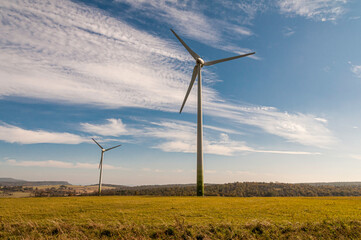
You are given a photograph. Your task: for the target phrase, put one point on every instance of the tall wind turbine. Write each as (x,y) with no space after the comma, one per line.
(197,71)
(101,163)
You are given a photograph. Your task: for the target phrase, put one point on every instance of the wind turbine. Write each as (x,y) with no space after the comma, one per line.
(101,162)
(197,71)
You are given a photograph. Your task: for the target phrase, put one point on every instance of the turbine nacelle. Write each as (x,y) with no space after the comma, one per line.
(200,61)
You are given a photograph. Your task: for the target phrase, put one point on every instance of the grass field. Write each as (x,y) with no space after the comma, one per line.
(180,218)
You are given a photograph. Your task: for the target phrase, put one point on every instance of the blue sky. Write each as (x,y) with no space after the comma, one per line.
(112,70)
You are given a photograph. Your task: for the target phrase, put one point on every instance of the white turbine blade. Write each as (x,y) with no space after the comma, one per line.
(194,55)
(97,143)
(194,75)
(227,59)
(112,148)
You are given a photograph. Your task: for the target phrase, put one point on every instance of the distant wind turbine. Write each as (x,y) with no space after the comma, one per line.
(101,162)
(197,71)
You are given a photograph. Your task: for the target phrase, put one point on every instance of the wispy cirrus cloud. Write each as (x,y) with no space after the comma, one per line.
(356,70)
(113,127)
(305,129)
(245,11)
(189,19)
(180,136)
(13,134)
(61,51)
(320,10)
(287,31)
(58,164)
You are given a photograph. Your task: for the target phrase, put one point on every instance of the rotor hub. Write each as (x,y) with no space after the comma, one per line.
(200,61)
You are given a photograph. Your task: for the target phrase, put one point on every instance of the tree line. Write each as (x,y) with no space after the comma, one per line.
(240,189)
(237,189)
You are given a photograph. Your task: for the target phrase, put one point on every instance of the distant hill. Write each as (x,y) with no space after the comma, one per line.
(10,180)
(17,182)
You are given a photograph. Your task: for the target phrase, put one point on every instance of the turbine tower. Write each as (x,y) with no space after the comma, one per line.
(101,163)
(197,71)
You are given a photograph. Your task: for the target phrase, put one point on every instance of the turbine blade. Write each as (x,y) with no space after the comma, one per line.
(194,75)
(227,59)
(112,148)
(194,55)
(97,143)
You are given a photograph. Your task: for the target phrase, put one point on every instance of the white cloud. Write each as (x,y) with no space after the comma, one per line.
(188,19)
(114,127)
(321,10)
(224,130)
(356,69)
(287,31)
(14,134)
(65,52)
(305,129)
(180,136)
(321,120)
(242,12)
(58,164)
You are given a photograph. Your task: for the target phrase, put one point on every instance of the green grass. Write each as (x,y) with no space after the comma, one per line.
(180,217)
